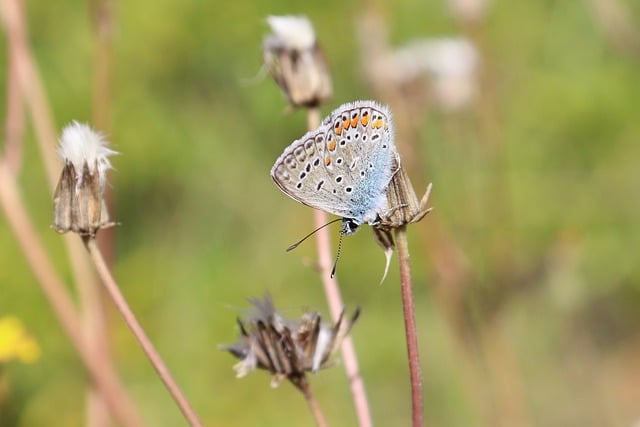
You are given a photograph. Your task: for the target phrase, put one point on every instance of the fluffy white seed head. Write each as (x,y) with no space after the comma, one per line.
(290,32)
(79,144)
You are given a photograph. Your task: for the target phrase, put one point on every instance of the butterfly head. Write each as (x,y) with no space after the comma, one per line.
(349,226)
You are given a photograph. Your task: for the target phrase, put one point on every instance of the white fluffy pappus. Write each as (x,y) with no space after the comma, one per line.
(79,144)
(290,32)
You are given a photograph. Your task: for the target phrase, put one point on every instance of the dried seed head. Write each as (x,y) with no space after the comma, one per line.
(402,208)
(468,10)
(296,62)
(402,205)
(79,204)
(286,348)
(290,33)
(79,144)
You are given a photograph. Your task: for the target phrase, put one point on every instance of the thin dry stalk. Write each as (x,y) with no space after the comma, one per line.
(318,415)
(103,376)
(28,82)
(102,16)
(415,371)
(334,299)
(15,120)
(139,333)
(91,297)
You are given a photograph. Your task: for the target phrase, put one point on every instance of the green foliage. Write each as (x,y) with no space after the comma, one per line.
(536,189)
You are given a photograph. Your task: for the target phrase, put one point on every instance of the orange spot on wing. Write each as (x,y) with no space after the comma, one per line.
(331,145)
(327,161)
(377,124)
(338,129)
(364,120)
(354,121)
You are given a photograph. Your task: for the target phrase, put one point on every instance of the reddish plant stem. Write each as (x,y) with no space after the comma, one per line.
(334,299)
(103,376)
(139,333)
(411,331)
(27,82)
(15,118)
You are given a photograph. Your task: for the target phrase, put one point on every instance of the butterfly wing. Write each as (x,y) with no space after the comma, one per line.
(345,165)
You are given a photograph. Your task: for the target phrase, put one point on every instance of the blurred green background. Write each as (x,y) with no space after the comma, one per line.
(526,274)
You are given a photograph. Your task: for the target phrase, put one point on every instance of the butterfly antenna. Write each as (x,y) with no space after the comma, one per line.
(295,245)
(338,252)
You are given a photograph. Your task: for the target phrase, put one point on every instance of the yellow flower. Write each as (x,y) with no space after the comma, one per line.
(16,343)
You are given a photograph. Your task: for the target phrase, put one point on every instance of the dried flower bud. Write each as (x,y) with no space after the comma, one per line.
(286,348)
(448,65)
(79,204)
(295,60)
(402,208)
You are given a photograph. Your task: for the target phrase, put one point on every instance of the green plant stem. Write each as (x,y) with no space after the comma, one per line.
(139,333)
(411,331)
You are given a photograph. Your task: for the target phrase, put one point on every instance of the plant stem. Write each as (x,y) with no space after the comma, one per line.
(103,376)
(334,299)
(318,415)
(410,326)
(139,333)
(92,298)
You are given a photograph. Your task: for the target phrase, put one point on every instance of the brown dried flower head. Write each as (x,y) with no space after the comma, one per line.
(286,348)
(79,204)
(295,60)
